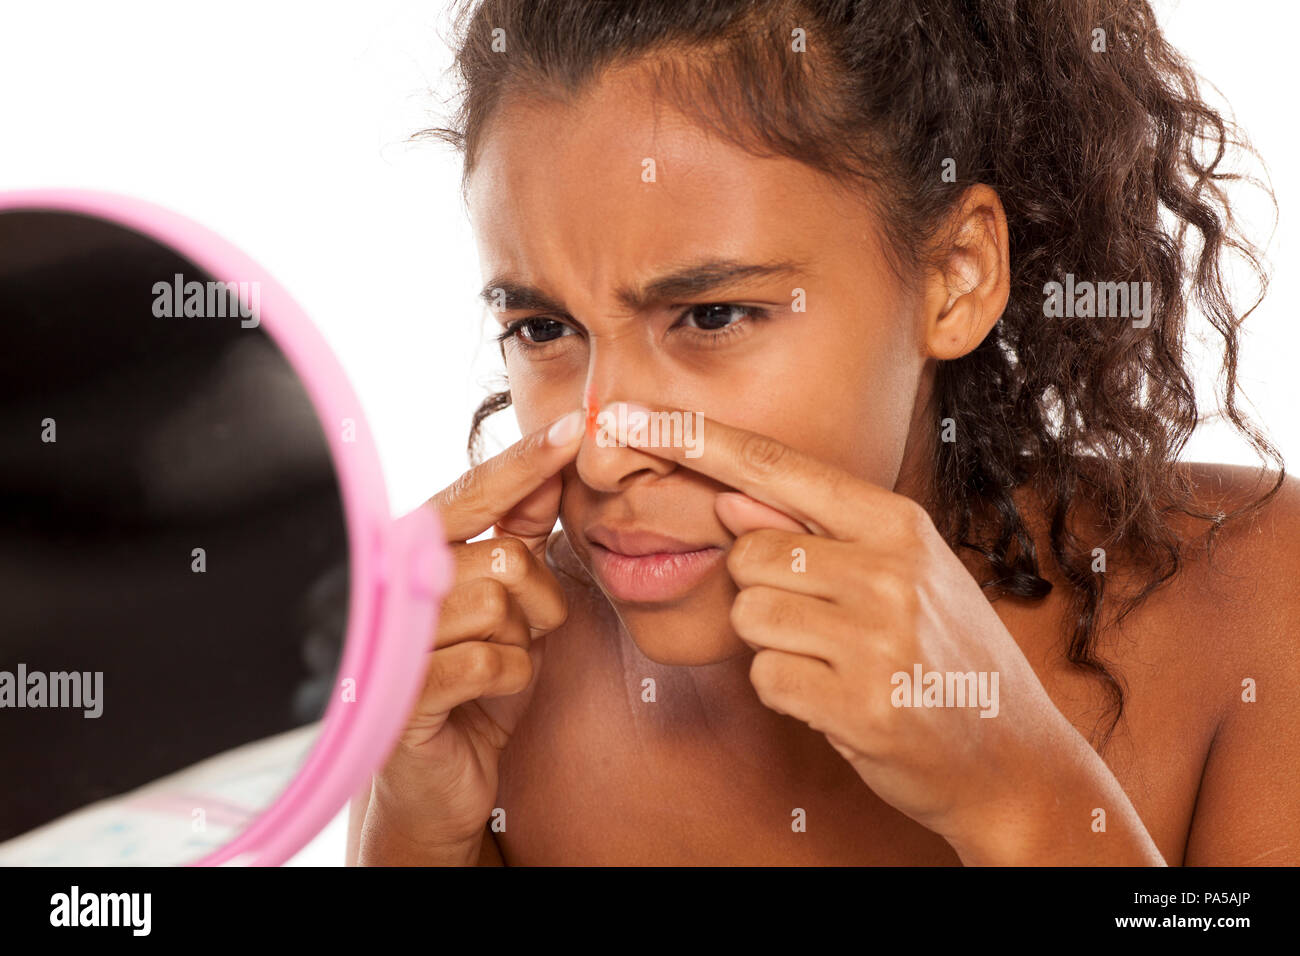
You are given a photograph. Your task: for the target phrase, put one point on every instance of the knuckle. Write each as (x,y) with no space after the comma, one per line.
(460,492)
(461,500)
(761,670)
(770,676)
(760,454)
(822,717)
(493,600)
(482,664)
(515,548)
(913,521)
(749,606)
(557,613)
(738,555)
(510,559)
(746,552)
(769,543)
(898,592)
(737,616)
(782,613)
(523,674)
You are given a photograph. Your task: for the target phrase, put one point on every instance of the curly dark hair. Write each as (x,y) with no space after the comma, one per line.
(1092,130)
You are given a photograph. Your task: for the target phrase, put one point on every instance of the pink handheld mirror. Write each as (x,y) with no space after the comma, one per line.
(211,628)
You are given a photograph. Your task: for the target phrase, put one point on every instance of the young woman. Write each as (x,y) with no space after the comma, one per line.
(923,581)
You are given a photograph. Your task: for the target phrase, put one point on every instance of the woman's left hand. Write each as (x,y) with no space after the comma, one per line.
(845,604)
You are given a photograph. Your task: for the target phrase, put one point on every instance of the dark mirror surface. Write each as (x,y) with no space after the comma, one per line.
(173,551)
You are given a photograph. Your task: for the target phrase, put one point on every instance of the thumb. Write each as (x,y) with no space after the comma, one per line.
(742,514)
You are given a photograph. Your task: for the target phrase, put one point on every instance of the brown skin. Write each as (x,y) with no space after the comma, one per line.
(712,771)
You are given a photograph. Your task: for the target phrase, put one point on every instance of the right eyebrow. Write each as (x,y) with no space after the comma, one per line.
(510,295)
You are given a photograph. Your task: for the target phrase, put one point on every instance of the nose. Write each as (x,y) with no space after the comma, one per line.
(606,460)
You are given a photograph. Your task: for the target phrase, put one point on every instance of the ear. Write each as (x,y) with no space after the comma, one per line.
(967,292)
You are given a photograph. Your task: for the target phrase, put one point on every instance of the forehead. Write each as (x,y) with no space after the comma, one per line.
(617,179)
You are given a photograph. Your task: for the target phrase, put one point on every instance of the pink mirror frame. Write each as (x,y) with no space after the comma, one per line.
(399,569)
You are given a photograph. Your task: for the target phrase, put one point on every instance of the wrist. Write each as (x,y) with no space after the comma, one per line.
(1028,812)
(1065,809)
(396,834)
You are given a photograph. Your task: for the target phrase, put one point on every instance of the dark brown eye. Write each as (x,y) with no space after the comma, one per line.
(539,330)
(713,317)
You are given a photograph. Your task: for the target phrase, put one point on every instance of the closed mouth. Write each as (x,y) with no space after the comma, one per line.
(646,567)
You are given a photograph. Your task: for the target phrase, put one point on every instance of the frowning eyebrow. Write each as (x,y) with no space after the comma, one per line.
(696,281)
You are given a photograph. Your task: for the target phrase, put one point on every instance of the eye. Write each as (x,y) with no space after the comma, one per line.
(715,324)
(713,317)
(535,330)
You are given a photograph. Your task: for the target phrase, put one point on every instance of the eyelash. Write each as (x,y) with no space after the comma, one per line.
(706,337)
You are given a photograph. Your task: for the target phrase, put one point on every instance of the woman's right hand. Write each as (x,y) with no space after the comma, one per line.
(438,787)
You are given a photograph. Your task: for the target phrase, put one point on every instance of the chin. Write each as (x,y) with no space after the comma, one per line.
(690,632)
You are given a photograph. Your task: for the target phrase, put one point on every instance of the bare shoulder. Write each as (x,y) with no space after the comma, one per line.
(1242,604)
(1220,488)
(1249,579)
(1229,622)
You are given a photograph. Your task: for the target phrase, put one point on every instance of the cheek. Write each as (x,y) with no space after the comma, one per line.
(541,392)
(844,396)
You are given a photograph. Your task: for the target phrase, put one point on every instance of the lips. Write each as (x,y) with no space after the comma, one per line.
(645,567)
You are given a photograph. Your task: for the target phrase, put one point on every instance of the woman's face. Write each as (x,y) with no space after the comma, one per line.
(652,263)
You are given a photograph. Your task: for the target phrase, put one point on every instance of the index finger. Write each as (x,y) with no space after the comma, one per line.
(824,498)
(485,494)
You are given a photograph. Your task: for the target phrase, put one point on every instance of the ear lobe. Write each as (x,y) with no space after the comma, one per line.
(969,292)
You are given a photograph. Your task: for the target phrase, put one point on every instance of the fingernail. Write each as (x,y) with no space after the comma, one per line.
(565,429)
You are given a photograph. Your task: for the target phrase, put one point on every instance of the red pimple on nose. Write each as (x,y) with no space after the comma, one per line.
(593,410)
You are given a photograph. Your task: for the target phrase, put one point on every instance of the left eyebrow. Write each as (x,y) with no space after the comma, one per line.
(694,281)
(701,279)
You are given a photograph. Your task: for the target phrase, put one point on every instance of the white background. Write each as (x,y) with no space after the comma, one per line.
(283,126)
